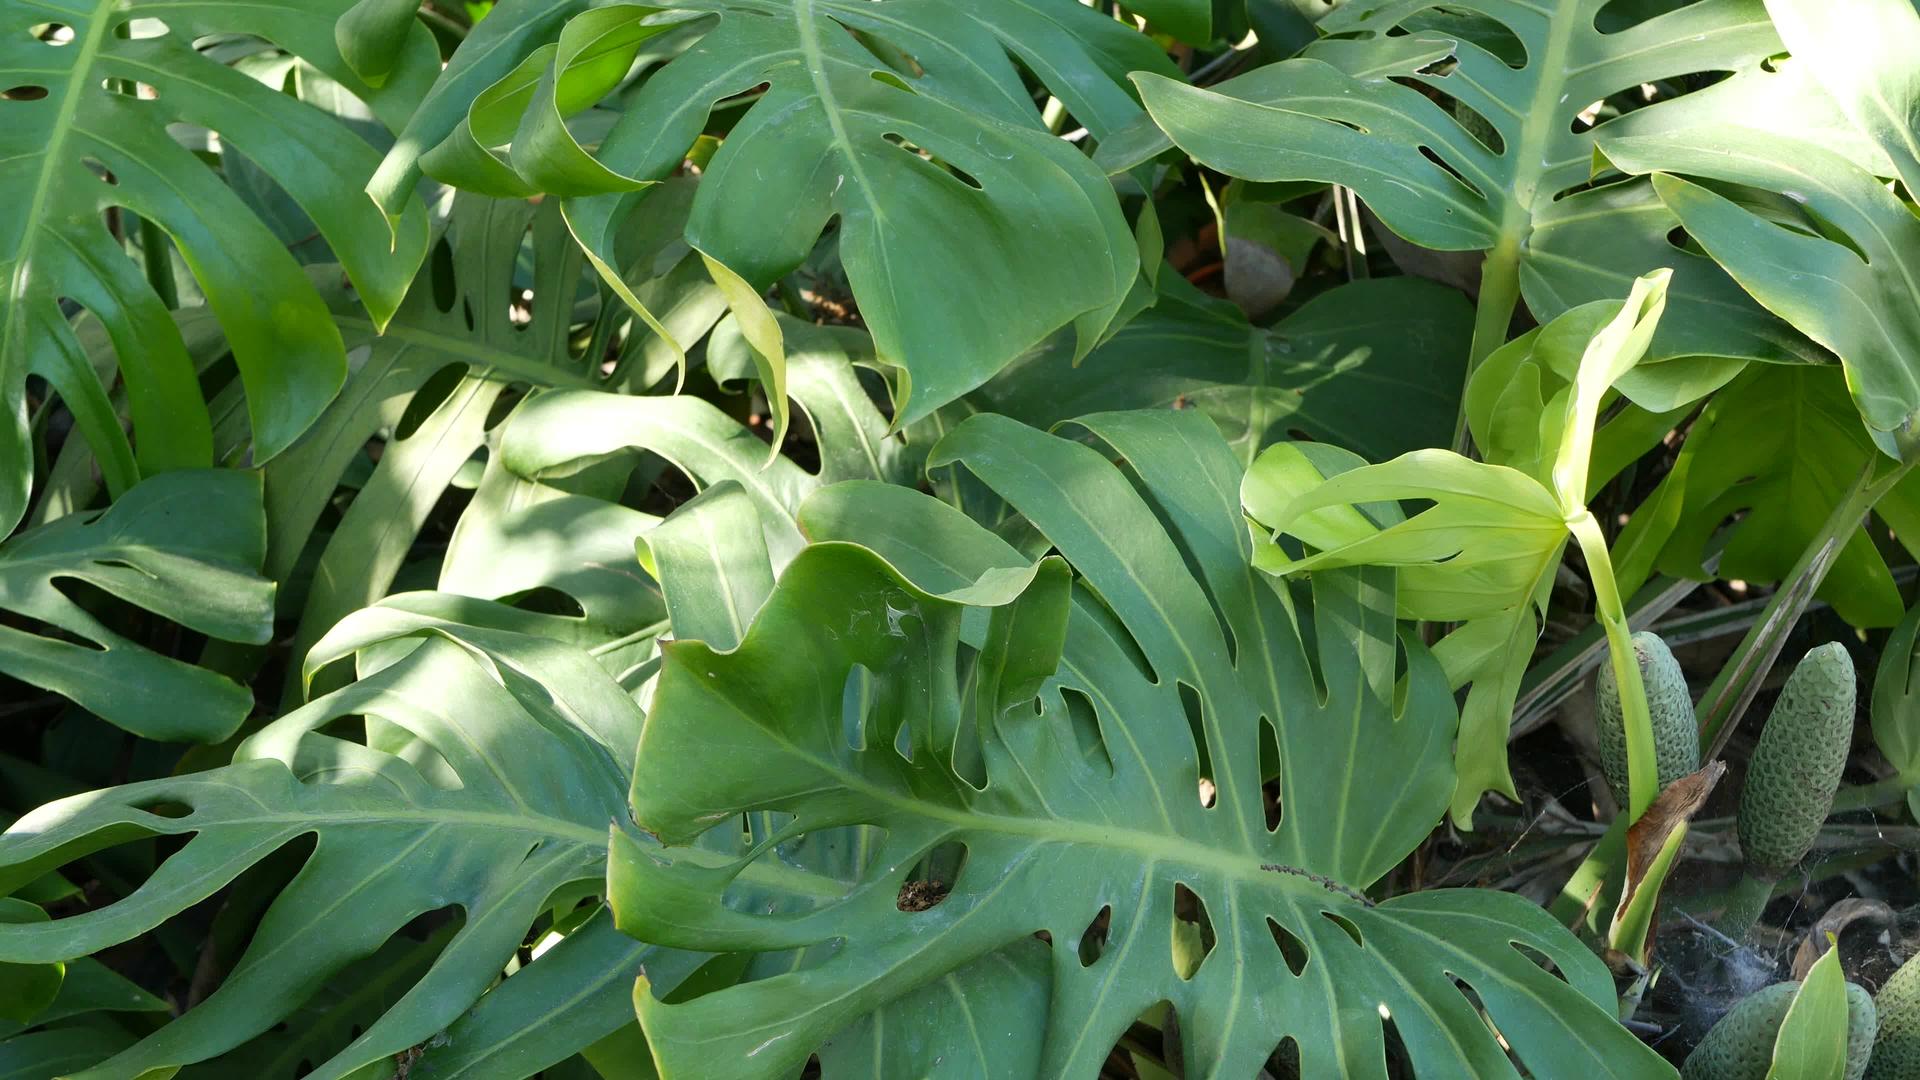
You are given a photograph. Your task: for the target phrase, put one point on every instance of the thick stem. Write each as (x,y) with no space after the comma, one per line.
(1745,902)
(1865,796)
(1499,295)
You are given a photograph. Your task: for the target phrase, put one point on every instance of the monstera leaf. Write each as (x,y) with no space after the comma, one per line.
(913,673)
(968,231)
(92,89)
(1775,452)
(1321,370)
(1486,546)
(185,546)
(1843,263)
(447,776)
(1495,167)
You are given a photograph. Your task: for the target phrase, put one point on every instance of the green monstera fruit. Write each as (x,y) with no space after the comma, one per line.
(1797,764)
(1740,1046)
(1896,1047)
(1676,738)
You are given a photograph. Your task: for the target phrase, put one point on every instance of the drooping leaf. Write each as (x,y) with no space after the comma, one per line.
(93,86)
(1844,273)
(1484,154)
(559,433)
(1090,801)
(1325,369)
(967,230)
(185,546)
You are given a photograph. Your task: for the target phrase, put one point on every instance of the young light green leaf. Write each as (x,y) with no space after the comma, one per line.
(1812,1044)
(1861,53)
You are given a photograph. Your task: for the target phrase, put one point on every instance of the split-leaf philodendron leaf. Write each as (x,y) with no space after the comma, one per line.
(1496,167)
(968,232)
(1056,720)
(185,546)
(92,88)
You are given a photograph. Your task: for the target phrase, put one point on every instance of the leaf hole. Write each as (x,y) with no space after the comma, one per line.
(898,61)
(1343,923)
(445,279)
(1471,120)
(1093,940)
(1451,171)
(1195,711)
(1538,957)
(53,33)
(166,808)
(99,168)
(24,92)
(1399,1061)
(1270,767)
(927,156)
(1292,949)
(547,600)
(1193,937)
(1084,719)
(933,879)
(1285,1059)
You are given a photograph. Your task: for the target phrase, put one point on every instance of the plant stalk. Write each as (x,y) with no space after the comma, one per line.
(1734,688)
(1745,902)
(1643,783)
(1499,295)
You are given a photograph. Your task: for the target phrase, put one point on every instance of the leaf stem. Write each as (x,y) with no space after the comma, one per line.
(1499,295)
(1733,690)
(1642,779)
(1866,796)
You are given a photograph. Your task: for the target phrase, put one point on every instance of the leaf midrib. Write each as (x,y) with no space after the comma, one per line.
(43,183)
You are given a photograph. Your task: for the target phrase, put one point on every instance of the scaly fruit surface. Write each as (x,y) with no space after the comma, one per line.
(1740,1046)
(1676,737)
(1797,763)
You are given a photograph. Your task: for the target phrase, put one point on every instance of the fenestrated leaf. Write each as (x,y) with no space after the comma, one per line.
(77,141)
(1844,274)
(457,317)
(485,782)
(1324,369)
(1498,173)
(1777,449)
(186,546)
(1861,53)
(968,232)
(1057,834)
